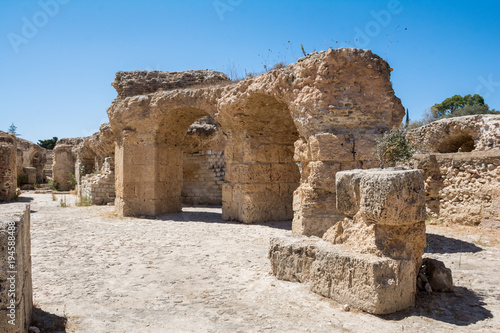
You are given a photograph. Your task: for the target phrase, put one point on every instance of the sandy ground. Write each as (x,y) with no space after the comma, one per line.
(192,272)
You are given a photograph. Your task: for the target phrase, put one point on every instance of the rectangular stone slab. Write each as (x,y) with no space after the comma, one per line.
(377,285)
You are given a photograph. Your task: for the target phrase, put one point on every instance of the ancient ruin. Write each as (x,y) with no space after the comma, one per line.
(8,166)
(287,133)
(461,163)
(370,259)
(16,295)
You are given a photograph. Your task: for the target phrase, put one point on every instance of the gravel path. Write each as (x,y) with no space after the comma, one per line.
(192,272)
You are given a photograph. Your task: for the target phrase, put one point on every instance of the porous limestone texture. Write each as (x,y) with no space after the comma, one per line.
(8,167)
(385,213)
(16,293)
(323,112)
(462,188)
(458,134)
(378,285)
(370,259)
(99,187)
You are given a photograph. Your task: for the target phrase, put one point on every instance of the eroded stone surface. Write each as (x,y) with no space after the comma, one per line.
(458,134)
(15,268)
(368,282)
(319,104)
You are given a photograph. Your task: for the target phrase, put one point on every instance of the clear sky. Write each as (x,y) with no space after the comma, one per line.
(59,57)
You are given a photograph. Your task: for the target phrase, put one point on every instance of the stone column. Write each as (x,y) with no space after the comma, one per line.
(64,164)
(370,259)
(260,180)
(148,179)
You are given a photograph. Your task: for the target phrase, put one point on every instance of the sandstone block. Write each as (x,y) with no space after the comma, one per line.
(380,196)
(331,147)
(374,284)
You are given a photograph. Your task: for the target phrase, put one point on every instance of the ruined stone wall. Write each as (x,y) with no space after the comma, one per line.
(325,112)
(8,167)
(462,188)
(203,177)
(99,187)
(33,156)
(16,291)
(458,134)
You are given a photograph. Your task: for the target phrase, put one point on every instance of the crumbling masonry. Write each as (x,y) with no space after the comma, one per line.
(288,132)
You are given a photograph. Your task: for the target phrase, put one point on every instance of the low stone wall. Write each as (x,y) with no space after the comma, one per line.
(8,167)
(462,188)
(203,177)
(370,259)
(100,188)
(16,293)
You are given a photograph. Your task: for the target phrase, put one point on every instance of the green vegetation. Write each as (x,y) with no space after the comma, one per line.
(55,185)
(393,148)
(48,144)
(22,179)
(455,106)
(13,130)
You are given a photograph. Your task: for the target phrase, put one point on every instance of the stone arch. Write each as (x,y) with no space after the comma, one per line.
(261,174)
(460,141)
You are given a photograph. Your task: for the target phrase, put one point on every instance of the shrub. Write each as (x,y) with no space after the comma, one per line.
(393,148)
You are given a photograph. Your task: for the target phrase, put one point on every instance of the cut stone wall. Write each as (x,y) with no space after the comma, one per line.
(203,177)
(462,188)
(329,107)
(8,167)
(100,187)
(370,259)
(16,292)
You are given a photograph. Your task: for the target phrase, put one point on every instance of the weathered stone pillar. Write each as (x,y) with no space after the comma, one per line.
(64,164)
(320,158)
(148,179)
(16,293)
(8,168)
(260,180)
(370,259)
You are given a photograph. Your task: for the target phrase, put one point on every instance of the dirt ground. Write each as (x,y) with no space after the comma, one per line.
(192,272)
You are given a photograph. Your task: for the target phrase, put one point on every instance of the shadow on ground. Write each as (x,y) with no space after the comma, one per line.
(216,217)
(48,322)
(441,244)
(461,307)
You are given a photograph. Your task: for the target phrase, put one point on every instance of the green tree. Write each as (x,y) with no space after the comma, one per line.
(451,105)
(13,130)
(48,144)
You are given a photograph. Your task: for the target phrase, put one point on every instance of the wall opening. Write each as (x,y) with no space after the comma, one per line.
(203,163)
(461,142)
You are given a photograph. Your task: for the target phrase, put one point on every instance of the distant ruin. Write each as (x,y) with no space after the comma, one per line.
(461,163)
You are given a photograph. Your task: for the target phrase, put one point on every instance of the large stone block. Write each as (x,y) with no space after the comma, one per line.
(331,147)
(378,285)
(8,167)
(381,196)
(16,295)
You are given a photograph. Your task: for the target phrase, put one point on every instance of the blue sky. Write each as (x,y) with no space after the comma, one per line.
(59,57)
